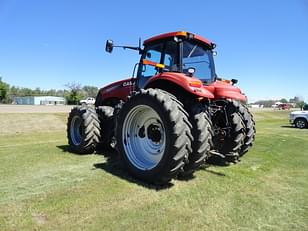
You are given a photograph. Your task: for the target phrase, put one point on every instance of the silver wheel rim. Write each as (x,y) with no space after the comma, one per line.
(300,124)
(75,130)
(143,137)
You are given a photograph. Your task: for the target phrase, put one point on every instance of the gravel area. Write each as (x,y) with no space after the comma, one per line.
(8,108)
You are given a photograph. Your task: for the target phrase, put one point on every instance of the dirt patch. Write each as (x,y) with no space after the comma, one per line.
(39,218)
(11,124)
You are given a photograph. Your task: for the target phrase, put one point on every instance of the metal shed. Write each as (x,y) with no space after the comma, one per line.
(40,100)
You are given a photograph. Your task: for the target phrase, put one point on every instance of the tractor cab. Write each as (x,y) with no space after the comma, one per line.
(179,52)
(178,62)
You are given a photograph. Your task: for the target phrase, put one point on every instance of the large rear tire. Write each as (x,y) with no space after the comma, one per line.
(250,129)
(153,136)
(233,127)
(83,130)
(202,138)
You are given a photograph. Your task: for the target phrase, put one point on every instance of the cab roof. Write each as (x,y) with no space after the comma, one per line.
(179,34)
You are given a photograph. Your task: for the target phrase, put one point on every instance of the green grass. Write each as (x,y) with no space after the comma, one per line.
(43,187)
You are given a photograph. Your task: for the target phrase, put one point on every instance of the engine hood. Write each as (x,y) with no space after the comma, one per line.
(223,89)
(299,112)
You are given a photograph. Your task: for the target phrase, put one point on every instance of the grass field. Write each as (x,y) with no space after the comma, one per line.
(43,187)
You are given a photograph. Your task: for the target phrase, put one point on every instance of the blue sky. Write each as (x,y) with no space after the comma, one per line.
(46,44)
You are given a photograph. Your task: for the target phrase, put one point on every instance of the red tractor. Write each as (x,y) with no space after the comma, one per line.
(170,118)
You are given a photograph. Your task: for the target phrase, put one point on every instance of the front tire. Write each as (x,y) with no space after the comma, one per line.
(300,123)
(83,130)
(153,136)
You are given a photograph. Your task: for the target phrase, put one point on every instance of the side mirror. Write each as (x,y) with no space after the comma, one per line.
(109,46)
(234,81)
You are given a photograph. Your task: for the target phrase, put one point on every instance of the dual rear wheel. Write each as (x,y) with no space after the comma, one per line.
(158,139)
(234,130)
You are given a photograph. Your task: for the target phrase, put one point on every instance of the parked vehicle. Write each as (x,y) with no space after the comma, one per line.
(299,118)
(284,106)
(87,101)
(281,106)
(171,117)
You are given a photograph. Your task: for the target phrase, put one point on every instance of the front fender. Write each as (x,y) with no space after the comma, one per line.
(116,91)
(189,84)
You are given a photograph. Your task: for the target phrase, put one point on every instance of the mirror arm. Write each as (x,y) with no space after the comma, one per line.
(110,46)
(129,47)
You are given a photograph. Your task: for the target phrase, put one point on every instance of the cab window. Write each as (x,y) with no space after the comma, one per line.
(199,58)
(152,54)
(170,58)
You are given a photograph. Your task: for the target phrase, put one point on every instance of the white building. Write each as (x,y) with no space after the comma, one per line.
(40,100)
(256,105)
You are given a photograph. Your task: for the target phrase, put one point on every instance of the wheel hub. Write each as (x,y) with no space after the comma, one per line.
(141,132)
(154,133)
(143,136)
(300,124)
(76,130)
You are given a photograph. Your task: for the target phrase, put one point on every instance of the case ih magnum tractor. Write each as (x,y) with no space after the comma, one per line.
(170,118)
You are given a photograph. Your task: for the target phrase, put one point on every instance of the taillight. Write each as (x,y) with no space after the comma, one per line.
(195,83)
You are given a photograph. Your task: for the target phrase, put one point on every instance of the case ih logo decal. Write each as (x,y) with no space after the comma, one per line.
(129,83)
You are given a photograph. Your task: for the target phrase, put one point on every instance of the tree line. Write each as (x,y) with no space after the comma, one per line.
(73,94)
(297,101)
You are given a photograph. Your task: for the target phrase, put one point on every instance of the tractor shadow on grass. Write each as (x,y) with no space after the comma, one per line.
(64,148)
(216,161)
(206,169)
(219,161)
(114,166)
